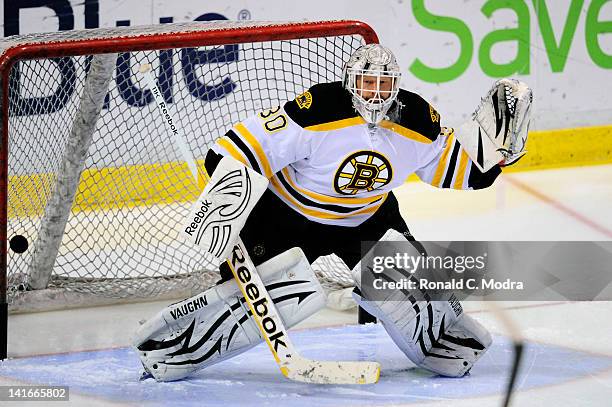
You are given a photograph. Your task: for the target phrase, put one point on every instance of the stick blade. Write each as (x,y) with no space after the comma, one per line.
(332,372)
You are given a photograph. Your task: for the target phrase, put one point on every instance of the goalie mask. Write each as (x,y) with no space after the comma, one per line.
(372,76)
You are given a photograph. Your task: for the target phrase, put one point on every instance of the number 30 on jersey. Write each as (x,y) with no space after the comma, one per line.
(273,120)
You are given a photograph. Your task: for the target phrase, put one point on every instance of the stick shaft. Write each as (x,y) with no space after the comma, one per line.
(274,333)
(171,125)
(261,305)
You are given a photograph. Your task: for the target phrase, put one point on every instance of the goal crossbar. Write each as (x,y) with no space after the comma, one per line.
(173,35)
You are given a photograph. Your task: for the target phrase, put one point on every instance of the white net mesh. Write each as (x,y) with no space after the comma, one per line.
(120,240)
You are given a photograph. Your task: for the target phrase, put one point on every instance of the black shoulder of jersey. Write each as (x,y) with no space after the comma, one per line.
(415,113)
(322,103)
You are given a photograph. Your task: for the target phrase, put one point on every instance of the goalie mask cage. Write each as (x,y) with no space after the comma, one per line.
(90,176)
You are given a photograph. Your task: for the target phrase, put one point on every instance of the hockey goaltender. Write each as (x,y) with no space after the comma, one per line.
(317,175)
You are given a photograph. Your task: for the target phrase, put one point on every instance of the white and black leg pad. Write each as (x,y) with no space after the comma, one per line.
(216,324)
(218,215)
(435,335)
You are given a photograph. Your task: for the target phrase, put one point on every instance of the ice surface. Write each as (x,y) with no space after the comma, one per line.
(253,379)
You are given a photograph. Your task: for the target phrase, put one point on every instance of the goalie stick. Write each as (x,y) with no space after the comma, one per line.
(264,312)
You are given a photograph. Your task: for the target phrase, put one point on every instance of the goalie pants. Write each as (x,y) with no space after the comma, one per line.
(273,228)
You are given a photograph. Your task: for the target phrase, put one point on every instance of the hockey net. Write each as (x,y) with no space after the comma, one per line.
(113,172)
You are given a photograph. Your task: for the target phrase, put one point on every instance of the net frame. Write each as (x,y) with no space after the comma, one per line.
(133,39)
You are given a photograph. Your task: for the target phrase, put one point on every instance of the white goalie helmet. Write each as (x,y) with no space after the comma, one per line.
(372,77)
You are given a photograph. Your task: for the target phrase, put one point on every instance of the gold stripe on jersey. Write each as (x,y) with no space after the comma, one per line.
(331,207)
(275,183)
(252,141)
(229,147)
(460,174)
(338,124)
(442,164)
(327,198)
(405,132)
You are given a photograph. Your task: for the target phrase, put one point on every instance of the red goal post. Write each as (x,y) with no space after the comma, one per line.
(295,44)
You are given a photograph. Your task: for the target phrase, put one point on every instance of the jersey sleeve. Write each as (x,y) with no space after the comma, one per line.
(275,138)
(267,142)
(447,165)
(444,163)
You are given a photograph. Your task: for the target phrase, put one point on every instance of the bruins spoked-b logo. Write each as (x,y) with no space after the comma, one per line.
(304,101)
(361,172)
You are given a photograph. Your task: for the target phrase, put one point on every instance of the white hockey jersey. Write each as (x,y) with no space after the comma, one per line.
(328,164)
